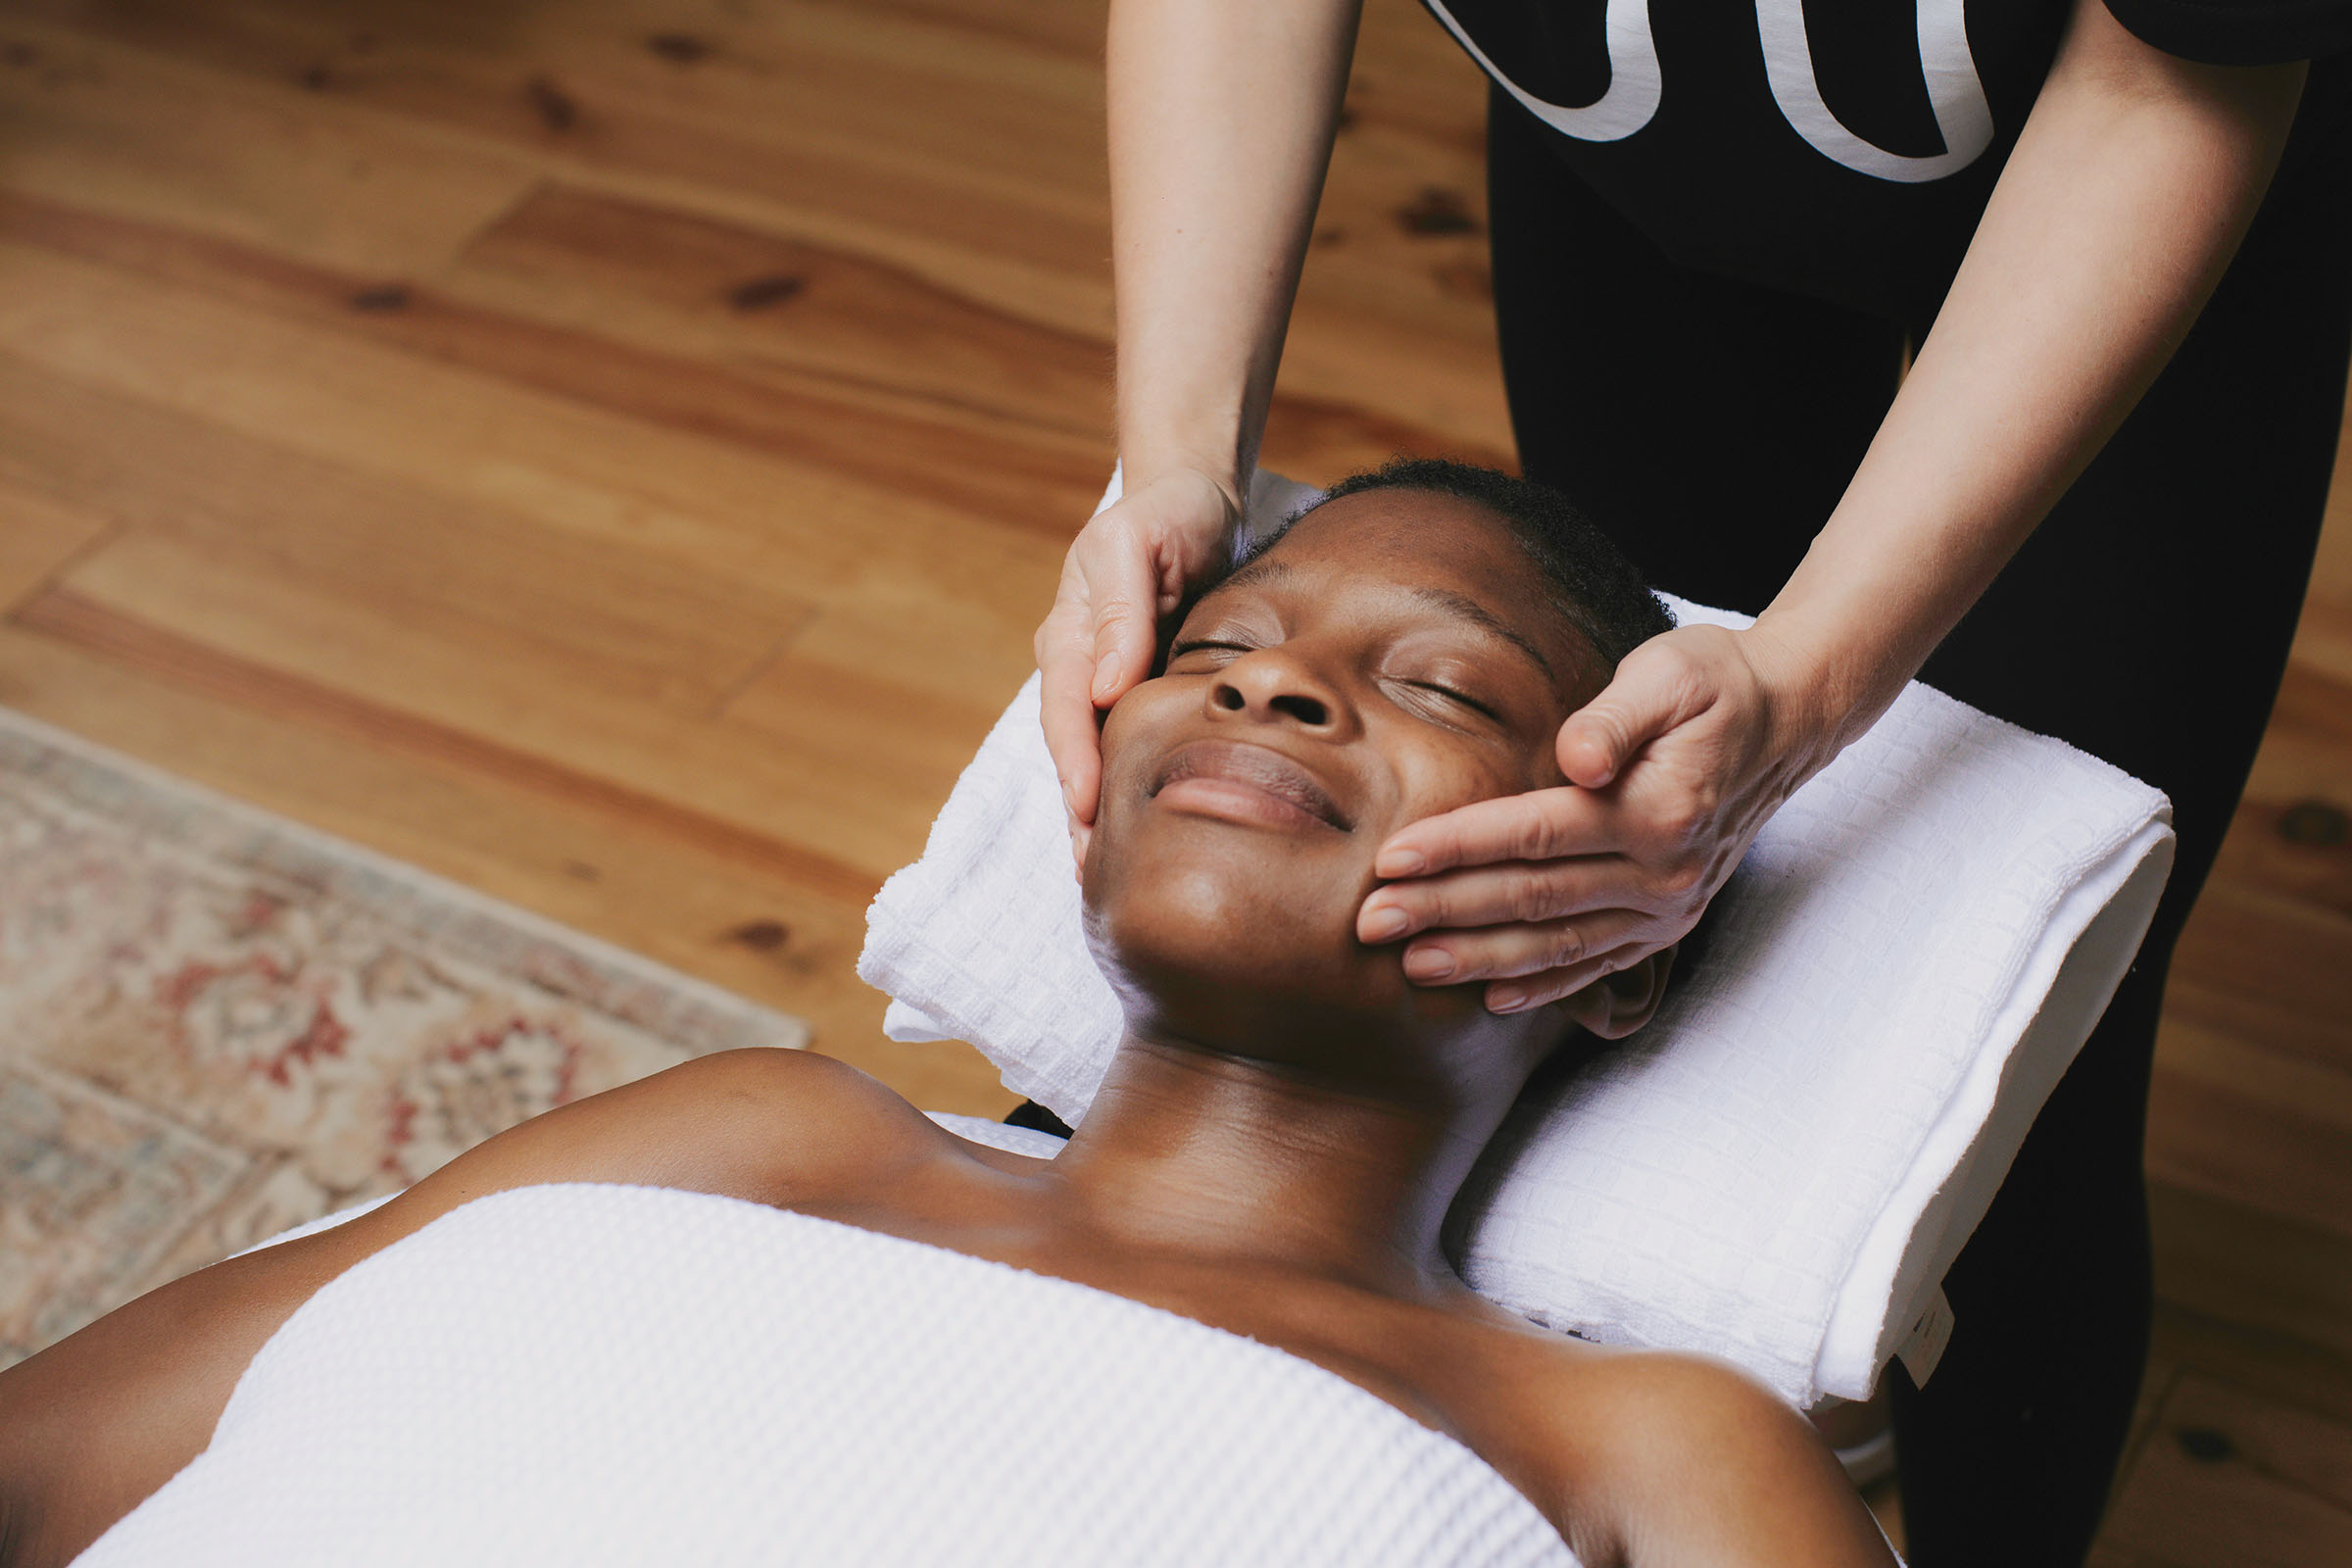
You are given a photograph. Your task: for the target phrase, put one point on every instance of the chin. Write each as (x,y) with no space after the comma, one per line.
(1244,943)
(1229,911)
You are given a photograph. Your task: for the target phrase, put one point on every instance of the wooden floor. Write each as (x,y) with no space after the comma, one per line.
(614,454)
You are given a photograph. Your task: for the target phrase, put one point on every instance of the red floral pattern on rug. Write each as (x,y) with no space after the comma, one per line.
(215,1024)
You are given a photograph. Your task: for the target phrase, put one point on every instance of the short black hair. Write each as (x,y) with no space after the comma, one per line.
(1594,587)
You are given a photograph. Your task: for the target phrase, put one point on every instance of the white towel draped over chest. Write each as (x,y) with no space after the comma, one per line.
(591,1374)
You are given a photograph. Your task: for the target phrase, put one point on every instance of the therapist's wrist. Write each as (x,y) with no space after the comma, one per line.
(1144,464)
(1142,467)
(1822,690)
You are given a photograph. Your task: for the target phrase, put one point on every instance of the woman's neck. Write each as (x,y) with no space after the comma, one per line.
(1208,1154)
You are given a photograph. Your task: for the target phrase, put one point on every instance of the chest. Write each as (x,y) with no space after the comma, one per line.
(1488,1386)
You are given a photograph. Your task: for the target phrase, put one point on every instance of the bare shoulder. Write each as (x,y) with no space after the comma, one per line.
(95,1423)
(1673,1459)
(768,1124)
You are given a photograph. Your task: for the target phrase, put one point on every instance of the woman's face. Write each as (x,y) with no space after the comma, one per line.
(1394,657)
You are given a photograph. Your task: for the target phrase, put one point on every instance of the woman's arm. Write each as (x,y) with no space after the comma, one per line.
(2129,190)
(93,1424)
(1222,113)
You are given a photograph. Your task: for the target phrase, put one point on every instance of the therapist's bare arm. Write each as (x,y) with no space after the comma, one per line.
(93,1424)
(1222,113)
(2128,193)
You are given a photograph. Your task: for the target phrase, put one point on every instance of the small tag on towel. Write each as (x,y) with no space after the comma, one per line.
(1923,1347)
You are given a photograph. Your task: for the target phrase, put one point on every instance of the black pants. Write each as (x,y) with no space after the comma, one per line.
(1711,425)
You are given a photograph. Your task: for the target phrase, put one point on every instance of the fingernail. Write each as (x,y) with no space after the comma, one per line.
(1069,799)
(1507,999)
(1382,924)
(1429,963)
(1104,679)
(1401,863)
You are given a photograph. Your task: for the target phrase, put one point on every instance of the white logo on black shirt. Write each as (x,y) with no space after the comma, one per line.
(1947,68)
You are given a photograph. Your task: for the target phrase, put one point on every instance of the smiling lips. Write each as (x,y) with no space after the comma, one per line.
(1255,783)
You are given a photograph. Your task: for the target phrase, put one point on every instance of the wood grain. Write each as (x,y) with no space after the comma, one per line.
(2230,1480)
(39,538)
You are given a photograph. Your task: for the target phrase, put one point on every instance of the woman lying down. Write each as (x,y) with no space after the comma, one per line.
(1276,1145)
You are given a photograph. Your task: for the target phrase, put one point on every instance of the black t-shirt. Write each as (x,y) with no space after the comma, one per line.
(1834,148)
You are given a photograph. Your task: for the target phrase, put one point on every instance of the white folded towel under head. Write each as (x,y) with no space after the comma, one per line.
(1780,1167)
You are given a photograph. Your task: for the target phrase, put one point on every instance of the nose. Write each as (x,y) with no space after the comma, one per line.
(1275,686)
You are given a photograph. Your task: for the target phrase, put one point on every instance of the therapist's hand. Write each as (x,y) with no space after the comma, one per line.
(1673,768)
(1129,567)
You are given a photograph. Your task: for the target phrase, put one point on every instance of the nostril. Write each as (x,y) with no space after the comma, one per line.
(1230,698)
(1306,709)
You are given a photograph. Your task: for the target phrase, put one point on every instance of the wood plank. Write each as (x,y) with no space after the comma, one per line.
(2233,1118)
(959,457)
(39,537)
(803,105)
(2234,1481)
(2217,1257)
(1427,371)
(2268,967)
(637,625)
(124,131)
(411,427)
(226,621)
(266,556)
(2267,1364)
(676,284)
(2244,1143)
(679,284)
(2200,1058)
(594,471)
(65,617)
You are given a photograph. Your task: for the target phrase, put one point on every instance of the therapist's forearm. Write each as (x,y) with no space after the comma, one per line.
(1222,113)
(2128,193)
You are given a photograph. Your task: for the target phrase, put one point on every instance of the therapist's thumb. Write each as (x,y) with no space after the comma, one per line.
(1122,596)
(1644,701)
(1125,637)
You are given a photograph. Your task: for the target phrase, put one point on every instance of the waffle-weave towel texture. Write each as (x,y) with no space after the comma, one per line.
(622,1375)
(1780,1167)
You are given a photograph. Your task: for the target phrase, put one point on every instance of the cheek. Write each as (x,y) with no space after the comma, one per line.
(1434,772)
(1141,725)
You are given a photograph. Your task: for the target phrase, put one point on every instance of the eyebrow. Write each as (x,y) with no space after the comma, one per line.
(1462,608)
(1265,571)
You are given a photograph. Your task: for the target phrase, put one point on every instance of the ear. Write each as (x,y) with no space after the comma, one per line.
(1615,1005)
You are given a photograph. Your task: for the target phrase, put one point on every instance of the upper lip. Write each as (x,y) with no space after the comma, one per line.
(1259,766)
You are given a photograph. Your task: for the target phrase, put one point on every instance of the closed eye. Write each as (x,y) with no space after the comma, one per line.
(1207,645)
(1452,695)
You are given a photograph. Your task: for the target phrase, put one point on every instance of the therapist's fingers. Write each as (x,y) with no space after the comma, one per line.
(1131,565)
(1508,893)
(1540,825)
(1093,647)
(1066,711)
(1534,947)
(1518,996)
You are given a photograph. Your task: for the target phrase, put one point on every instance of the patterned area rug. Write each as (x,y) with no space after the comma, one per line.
(216,1023)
